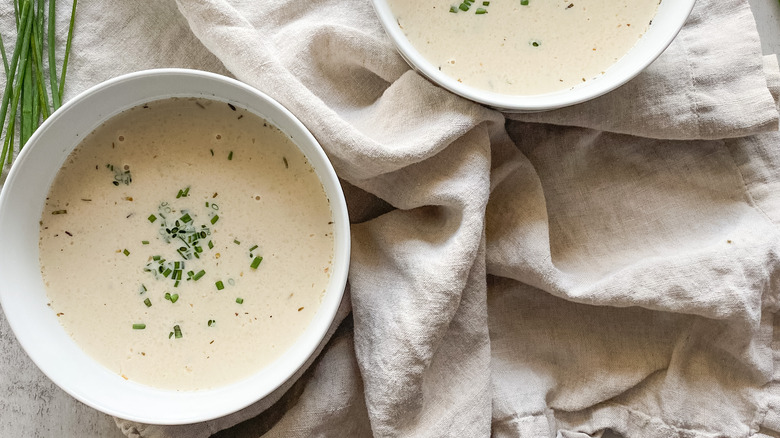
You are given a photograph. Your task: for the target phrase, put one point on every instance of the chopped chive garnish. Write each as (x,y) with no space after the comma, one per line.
(207,204)
(198,276)
(463,7)
(186,218)
(211,322)
(174,298)
(480,11)
(240,300)
(236,241)
(148,302)
(536,43)
(152,218)
(485,3)
(524,2)
(144,242)
(176,283)
(59,212)
(167,296)
(253,248)
(230,155)
(256,262)
(211,245)
(170,335)
(177,331)
(453,9)
(139,326)
(126,252)
(167,272)
(214,219)
(219,285)
(155,258)
(143,288)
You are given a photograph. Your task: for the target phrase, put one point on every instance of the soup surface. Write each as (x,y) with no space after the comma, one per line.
(523,47)
(186,243)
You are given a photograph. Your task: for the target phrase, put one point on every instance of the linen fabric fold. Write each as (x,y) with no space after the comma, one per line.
(606,269)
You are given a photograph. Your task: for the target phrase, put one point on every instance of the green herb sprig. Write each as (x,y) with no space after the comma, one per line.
(26,95)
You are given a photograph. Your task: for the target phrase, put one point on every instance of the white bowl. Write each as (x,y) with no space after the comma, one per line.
(22,292)
(668,21)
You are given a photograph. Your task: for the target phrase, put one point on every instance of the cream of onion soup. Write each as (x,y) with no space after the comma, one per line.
(523,47)
(186,243)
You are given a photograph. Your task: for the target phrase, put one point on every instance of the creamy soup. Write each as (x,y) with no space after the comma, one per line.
(186,243)
(523,47)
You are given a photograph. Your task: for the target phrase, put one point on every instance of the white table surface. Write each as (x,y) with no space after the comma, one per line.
(32,406)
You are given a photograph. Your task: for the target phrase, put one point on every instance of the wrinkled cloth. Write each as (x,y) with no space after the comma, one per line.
(607,268)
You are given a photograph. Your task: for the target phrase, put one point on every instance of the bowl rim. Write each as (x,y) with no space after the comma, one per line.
(537,102)
(284,366)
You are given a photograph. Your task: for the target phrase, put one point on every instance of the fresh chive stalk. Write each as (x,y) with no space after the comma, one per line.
(26,92)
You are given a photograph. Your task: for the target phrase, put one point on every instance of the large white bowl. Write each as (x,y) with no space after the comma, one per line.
(22,293)
(667,23)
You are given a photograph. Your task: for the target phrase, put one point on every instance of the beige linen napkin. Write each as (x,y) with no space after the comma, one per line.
(607,267)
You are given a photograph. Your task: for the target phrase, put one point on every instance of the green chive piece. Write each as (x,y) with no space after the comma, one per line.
(55,88)
(148,302)
(256,262)
(453,9)
(536,43)
(186,218)
(214,219)
(126,252)
(463,7)
(174,298)
(152,218)
(167,272)
(219,285)
(167,296)
(211,322)
(211,245)
(67,47)
(240,300)
(236,241)
(198,276)
(485,3)
(480,11)
(170,335)
(524,2)
(177,331)
(156,258)
(144,242)
(230,155)
(253,248)
(139,326)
